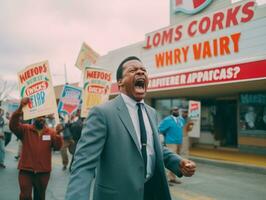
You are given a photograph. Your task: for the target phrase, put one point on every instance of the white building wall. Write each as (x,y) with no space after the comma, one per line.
(252,44)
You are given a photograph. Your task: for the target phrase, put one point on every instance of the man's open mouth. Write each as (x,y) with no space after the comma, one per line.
(140,84)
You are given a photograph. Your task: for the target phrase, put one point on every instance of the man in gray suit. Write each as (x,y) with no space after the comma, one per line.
(120,139)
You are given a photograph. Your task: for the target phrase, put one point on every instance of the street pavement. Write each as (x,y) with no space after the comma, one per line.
(209,183)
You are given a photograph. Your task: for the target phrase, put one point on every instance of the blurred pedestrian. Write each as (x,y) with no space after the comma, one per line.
(35,162)
(75,129)
(68,144)
(187,125)
(120,139)
(171,128)
(50,121)
(8,134)
(2,140)
(250,117)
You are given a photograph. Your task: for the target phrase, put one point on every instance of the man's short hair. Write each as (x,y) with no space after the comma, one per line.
(119,71)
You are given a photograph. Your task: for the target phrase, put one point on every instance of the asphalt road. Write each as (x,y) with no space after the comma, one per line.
(209,183)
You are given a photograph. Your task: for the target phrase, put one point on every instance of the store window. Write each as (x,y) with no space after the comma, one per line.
(253,112)
(207,114)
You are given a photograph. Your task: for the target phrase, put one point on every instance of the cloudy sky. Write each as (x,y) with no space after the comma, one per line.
(33,31)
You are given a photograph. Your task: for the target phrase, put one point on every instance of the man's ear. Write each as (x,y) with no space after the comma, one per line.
(120,83)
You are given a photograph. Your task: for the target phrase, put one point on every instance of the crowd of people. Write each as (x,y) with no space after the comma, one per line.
(125,124)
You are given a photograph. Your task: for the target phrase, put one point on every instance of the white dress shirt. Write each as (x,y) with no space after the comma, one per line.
(133,112)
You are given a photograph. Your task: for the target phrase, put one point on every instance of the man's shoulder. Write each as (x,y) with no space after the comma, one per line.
(167,118)
(108,104)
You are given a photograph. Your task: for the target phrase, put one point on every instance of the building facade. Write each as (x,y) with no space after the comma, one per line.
(213,52)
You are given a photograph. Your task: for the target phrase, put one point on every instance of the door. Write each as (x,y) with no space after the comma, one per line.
(225,122)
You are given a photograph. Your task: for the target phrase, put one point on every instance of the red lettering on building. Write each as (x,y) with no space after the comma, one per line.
(217,21)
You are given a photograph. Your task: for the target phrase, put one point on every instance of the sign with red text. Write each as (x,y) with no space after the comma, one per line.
(96,88)
(233,33)
(87,56)
(35,82)
(213,75)
(189,6)
(70,99)
(231,73)
(194,113)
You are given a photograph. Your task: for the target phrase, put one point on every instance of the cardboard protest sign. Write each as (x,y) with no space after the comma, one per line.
(194,113)
(87,57)
(35,82)
(69,100)
(96,88)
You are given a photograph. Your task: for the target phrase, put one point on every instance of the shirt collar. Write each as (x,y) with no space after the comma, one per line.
(130,102)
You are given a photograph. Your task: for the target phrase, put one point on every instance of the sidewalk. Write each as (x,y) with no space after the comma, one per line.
(229,158)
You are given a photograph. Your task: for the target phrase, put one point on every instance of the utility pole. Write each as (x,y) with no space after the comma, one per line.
(66,82)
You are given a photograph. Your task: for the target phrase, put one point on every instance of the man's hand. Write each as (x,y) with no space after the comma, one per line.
(59,128)
(187,167)
(24,101)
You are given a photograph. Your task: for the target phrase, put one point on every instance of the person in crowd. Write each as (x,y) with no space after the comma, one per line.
(187,125)
(120,139)
(76,128)
(7,132)
(69,143)
(171,129)
(250,117)
(35,162)
(2,140)
(17,156)
(50,121)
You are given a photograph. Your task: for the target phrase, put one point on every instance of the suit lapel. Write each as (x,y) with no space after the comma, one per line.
(126,120)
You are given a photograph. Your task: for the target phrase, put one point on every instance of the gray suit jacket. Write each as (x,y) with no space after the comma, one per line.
(109,143)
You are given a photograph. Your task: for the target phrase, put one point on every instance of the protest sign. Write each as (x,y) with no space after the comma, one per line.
(96,88)
(35,82)
(194,113)
(69,100)
(87,57)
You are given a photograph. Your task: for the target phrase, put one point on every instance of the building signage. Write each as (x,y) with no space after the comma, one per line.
(212,38)
(207,76)
(232,73)
(194,113)
(189,6)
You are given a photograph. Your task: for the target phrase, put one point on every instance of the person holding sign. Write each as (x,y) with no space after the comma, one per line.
(120,139)
(35,162)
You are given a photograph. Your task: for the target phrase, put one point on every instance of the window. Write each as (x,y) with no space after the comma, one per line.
(253,111)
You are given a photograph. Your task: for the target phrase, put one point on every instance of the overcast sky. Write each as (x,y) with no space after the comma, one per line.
(33,31)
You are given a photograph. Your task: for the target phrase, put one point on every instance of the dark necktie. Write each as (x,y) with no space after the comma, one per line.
(143,137)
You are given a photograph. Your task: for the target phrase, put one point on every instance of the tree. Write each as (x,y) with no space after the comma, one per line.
(6,87)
